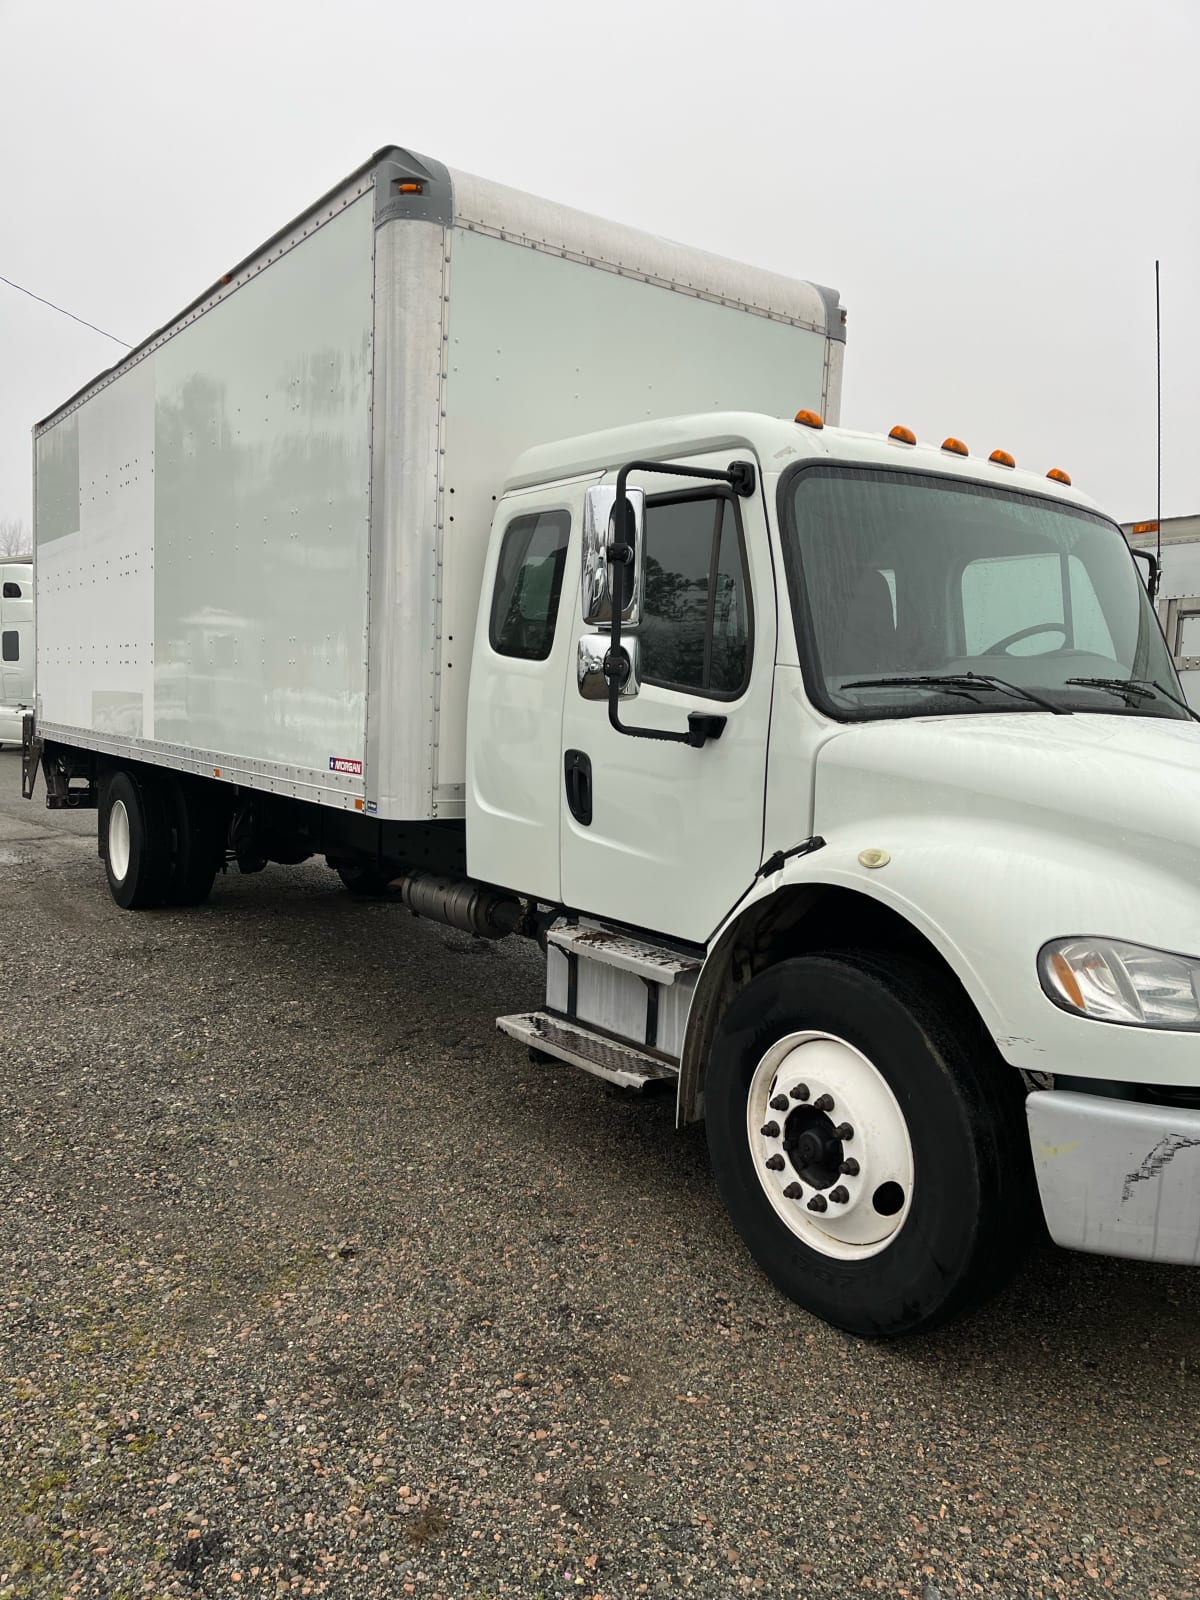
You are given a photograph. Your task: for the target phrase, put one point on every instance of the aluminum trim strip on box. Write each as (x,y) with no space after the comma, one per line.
(342,792)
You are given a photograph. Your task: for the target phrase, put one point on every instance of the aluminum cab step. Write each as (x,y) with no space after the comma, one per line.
(622,1064)
(652,961)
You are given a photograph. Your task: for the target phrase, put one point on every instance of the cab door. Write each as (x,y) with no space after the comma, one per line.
(672,835)
(521,661)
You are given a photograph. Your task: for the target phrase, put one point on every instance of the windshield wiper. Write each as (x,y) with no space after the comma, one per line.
(960,683)
(1132,690)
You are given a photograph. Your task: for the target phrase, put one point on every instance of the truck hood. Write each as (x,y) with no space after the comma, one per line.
(1132,783)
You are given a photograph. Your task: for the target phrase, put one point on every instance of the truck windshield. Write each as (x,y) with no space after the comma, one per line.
(909,577)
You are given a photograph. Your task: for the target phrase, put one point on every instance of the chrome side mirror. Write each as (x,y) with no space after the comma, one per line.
(594,666)
(599,531)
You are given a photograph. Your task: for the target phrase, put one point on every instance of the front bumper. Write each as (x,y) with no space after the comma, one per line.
(1117,1177)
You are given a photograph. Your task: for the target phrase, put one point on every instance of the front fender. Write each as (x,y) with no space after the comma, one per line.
(986,897)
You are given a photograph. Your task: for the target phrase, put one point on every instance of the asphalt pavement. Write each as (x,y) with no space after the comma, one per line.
(311,1282)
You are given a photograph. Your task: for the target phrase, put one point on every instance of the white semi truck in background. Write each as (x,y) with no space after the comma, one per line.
(1175,544)
(16,648)
(513,560)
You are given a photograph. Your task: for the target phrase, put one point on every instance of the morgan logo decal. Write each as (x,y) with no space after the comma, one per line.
(344,764)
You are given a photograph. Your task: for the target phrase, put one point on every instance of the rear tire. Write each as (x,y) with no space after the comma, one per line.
(364,883)
(135,839)
(925,1206)
(199,842)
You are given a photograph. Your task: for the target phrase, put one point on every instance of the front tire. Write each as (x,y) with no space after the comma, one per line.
(135,840)
(869,1143)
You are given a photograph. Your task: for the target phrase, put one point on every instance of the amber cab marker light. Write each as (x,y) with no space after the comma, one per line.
(956,447)
(905,435)
(810,419)
(1002,458)
(1059,476)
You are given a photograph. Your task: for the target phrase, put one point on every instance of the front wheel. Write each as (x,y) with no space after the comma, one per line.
(869,1143)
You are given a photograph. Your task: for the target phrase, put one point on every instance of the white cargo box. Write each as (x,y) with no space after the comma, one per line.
(259,538)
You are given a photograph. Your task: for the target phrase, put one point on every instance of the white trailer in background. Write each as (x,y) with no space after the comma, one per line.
(1178,600)
(481,548)
(16,647)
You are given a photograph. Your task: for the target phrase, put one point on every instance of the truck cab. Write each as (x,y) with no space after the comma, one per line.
(16,647)
(874,801)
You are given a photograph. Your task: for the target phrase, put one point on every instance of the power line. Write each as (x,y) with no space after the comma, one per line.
(64,312)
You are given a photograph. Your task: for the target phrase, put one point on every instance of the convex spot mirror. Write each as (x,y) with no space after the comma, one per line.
(596,666)
(599,531)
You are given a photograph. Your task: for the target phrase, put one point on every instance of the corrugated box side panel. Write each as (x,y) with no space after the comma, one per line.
(94,528)
(202,532)
(542,347)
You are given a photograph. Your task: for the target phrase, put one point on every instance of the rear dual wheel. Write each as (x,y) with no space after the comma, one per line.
(160,838)
(868,1142)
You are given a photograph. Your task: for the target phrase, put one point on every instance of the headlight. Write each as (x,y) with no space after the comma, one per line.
(1114,982)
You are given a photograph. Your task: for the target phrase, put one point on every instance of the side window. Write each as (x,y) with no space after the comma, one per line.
(10,649)
(528,583)
(1089,628)
(12,591)
(695,631)
(1000,596)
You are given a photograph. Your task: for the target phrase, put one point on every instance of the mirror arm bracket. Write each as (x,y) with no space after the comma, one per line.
(1155,566)
(743,480)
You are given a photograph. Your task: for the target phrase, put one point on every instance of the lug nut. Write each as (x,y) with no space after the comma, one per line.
(770,1130)
(794,1191)
(780,1103)
(840,1195)
(823,1102)
(800,1092)
(849,1167)
(775,1164)
(817,1203)
(843,1131)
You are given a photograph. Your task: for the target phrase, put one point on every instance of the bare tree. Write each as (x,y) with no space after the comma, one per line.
(15,540)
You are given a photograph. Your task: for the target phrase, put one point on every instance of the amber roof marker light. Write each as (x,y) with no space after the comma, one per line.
(956,447)
(810,419)
(902,434)
(1059,476)
(1002,458)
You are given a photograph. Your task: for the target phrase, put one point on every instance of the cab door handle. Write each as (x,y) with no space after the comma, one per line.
(577,774)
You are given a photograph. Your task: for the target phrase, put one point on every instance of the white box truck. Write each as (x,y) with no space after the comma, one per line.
(16,648)
(512,560)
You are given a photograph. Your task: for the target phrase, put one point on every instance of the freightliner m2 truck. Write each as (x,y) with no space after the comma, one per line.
(512,562)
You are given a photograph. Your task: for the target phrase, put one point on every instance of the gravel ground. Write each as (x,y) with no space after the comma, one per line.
(311,1282)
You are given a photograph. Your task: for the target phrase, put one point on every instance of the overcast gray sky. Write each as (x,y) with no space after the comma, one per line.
(987,185)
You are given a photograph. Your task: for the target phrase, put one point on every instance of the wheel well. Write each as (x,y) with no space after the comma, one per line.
(799,919)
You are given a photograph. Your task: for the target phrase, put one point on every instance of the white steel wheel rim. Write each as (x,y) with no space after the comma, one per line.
(807,1090)
(118,840)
